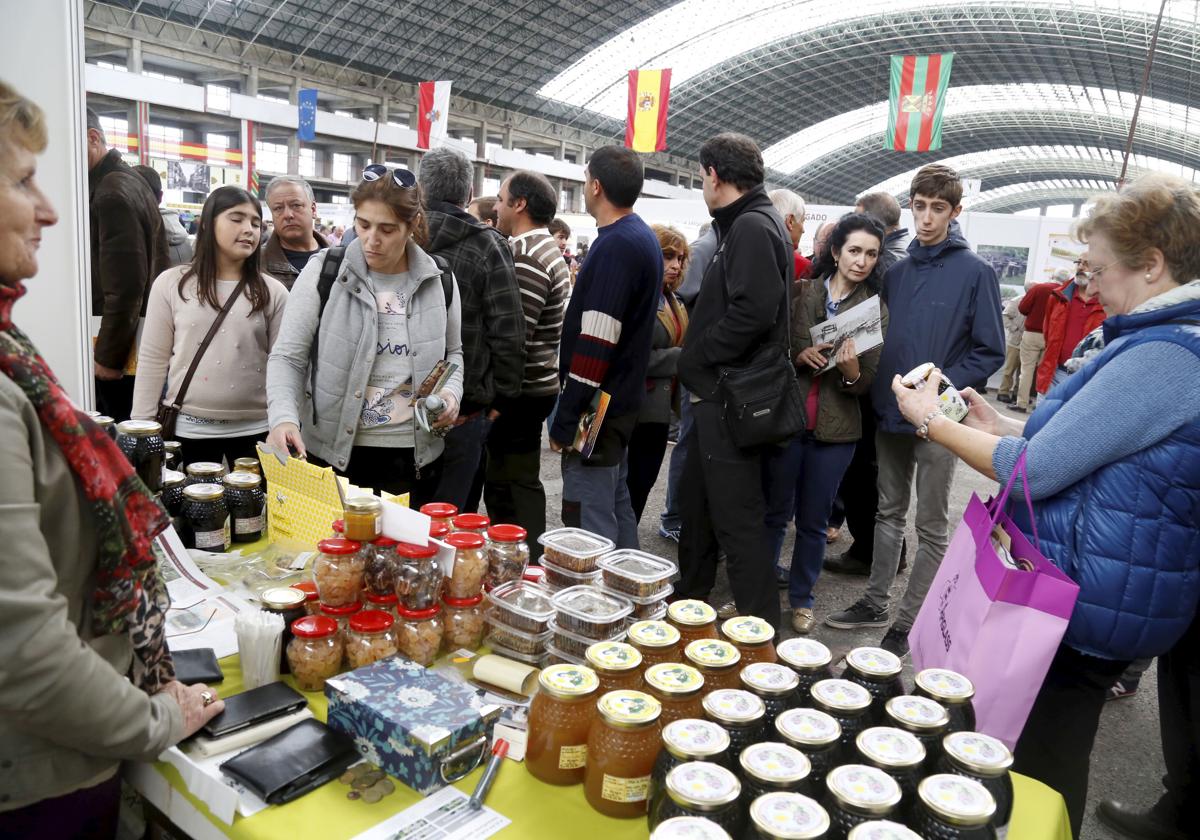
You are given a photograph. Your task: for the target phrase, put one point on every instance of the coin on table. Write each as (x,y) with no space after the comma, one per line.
(375,776)
(353,794)
(385,786)
(361,783)
(347,777)
(371,796)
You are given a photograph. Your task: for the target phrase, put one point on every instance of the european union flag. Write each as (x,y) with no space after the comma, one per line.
(307,103)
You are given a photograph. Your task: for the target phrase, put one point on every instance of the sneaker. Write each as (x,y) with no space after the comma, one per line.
(859,614)
(727,611)
(802,620)
(1122,689)
(668,533)
(895,641)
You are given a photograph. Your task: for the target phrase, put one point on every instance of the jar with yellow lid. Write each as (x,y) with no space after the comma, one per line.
(693,619)
(363,518)
(684,740)
(618,665)
(719,662)
(561,715)
(753,637)
(656,641)
(740,713)
(622,745)
(678,688)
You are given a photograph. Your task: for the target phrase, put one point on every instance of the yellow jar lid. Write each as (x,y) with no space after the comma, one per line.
(629,709)
(691,612)
(653,634)
(613,656)
(747,630)
(674,678)
(568,680)
(712,653)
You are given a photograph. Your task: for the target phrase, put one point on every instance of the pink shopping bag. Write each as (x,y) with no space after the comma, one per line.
(997,625)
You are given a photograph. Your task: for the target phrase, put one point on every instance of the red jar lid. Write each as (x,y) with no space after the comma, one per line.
(417,552)
(383,542)
(345,609)
(339,546)
(339,526)
(507,533)
(438,529)
(471,522)
(308,588)
(462,602)
(534,574)
(465,539)
(371,621)
(314,626)
(439,510)
(419,614)
(384,600)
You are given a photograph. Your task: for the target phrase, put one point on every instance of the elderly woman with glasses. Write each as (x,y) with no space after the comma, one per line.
(346,372)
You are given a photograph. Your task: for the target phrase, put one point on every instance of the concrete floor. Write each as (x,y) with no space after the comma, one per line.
(1127,759)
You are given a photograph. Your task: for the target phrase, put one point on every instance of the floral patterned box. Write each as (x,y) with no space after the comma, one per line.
(419,726)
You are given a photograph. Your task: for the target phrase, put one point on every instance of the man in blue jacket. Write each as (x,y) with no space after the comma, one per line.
(944,303)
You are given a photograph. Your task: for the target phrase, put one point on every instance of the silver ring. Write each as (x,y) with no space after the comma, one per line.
(207,697)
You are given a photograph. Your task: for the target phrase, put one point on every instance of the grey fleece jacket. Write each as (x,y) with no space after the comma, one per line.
(325,395)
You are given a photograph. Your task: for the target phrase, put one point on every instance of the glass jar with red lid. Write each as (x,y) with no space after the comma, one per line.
(370,637)
(439,512)
(338,528)
(315,651)
(418,576)
(420,634)
(338,571)
(312,601)
(439,530)
(379,575)
(475,523)
(464,623)
(508,554)
(470,563)
(384,603)
(341,613)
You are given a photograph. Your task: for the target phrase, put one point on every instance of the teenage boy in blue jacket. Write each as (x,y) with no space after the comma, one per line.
(944,303)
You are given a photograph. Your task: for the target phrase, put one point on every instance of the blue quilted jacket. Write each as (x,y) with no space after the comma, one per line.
(1129,534)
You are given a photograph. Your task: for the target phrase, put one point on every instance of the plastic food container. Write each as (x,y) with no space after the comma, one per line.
(538,660)
(523,605)
(558,578)
(560,657)
(574,548)
(503,635)
(577,644)
(590,612)
(649,612)
(636,574)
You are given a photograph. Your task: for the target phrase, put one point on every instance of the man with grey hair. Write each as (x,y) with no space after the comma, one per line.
(884,207)
(293,211)
(791,207)
(493,320)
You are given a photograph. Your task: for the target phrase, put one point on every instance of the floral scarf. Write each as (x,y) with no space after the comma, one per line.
(130,596)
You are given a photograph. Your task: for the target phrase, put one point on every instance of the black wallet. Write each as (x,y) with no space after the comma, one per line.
(297,760)
(197,666)
(255,706)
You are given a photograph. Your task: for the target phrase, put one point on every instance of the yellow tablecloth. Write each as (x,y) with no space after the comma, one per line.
(537,810)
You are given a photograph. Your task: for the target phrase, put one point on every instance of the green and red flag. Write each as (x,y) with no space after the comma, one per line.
(918,98)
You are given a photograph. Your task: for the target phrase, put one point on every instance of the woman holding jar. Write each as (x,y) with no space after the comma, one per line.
(223,413)
(648,443)
(390,316)
(1119,510)
(88,680)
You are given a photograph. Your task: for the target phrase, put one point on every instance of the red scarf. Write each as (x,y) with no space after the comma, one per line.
(130,596)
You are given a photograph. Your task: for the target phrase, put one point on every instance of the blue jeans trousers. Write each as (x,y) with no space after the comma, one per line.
(820,467)
(671,518)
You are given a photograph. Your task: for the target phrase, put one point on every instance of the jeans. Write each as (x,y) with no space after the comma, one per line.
(596,499)
(1033,345)
(460,459)
(899,457)
(821,467)
(670,517)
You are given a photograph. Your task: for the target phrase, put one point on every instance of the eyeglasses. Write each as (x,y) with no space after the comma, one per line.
(402,178)
(1097,271)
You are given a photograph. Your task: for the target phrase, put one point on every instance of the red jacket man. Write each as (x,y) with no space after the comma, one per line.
(1072,311)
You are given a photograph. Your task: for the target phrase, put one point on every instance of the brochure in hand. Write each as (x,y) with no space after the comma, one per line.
(862,322)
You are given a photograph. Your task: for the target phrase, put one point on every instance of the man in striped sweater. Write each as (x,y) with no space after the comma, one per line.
(606,346)
(513,488)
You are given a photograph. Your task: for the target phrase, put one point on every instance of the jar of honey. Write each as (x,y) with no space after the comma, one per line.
(363,518)
(560,716)
(679,688)
(693,619)
(656,641)
(622,746)
(753,637)
(717,660)
(617,664)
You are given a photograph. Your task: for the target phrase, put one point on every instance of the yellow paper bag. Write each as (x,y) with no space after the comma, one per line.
(302,499)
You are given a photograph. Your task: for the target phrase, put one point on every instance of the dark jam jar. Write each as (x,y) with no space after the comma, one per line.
(173,455)
(925,718)
(856,793)
(250,465)
(142,443)
(701,789)
(816,734)
(883,830)
(688,739)
(288,603)
(986,760)
(952,807)
(740,713)
(107,424)
(895,752)
(952,690)
(809,659)
(206,521)
(247,506)
(787,816)
(848,702)
(172,492)
(768,767)
(878,671)
(205,472)
(689,828)
(774,684)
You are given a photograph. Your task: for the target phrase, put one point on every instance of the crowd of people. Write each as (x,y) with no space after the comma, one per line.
(327,337)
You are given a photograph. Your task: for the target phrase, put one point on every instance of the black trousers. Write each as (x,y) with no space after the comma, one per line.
(512,489)
(859,490)
(218,449)
(114,397)
(1056,745)
(1179,723)
(647,446)
(723,509)
(393,470)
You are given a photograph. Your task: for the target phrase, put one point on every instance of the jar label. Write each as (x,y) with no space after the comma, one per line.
(733,704)
(673,678)
(696,737)
(919,711)
(789,815)
(945,683)
(804,653)
(977,749)
(213,539)
(248,525)
(691,612)
(956,796)
(618,789)
(748,630)
(569,679)
(863,786)
(629,707)
(841,694)
(770,677)
(653,634)
(712,653)
(613,656)
(572,758)
(775,762)
(808,726)
(892,747)
(700,781)
(875,662)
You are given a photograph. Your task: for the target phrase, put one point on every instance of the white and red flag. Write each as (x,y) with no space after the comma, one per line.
(433,111)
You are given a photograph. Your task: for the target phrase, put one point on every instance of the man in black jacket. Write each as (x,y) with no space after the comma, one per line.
(742,303)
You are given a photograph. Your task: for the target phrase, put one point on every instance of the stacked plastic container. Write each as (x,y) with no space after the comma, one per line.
(570,557)
(518,617)
(584,615)
(639,577)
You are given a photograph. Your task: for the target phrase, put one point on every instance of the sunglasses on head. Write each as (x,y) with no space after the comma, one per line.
(402,178)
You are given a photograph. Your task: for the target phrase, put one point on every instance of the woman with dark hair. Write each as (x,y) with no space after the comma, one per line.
(389,318)
(844,275)
(648,443)
(224,410)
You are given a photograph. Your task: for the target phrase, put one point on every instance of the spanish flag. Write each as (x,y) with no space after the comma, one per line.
(646,125)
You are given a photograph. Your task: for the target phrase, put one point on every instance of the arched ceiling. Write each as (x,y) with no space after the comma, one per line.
(1036,194)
